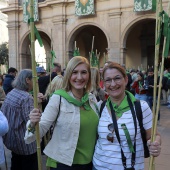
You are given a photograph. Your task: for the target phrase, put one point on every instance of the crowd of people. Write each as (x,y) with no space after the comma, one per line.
(92,113)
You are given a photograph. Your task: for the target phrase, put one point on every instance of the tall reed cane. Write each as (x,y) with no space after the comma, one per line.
(155,112)
(35,90)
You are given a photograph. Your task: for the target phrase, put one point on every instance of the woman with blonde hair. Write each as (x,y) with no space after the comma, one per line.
(74,110)
(95,84)
(55,84)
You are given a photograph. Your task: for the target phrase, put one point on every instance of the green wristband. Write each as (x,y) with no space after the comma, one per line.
(31,129)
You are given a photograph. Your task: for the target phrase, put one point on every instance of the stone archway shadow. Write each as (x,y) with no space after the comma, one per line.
(136,40)
(25,54)
(130,26)
(83,35)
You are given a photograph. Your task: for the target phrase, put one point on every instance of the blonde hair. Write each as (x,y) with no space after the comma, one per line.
(95,80)
(72,64)
(55,84)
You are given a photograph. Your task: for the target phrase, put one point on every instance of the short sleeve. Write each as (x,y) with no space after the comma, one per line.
(147,115)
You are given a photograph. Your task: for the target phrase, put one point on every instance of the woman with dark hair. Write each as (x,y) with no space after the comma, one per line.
(119,145)
(16,107)
(74,110)
(140,87)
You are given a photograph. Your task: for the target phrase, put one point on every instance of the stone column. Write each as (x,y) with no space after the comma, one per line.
(13,44)
(114,34)
(59,33)
(13,28)
(123,51)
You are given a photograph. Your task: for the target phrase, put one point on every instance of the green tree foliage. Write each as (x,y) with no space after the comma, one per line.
(4,53)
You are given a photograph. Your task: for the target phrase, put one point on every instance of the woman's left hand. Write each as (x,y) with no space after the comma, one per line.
(154,148)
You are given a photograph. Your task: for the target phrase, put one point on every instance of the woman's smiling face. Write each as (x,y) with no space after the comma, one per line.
(79,77)
(115,83)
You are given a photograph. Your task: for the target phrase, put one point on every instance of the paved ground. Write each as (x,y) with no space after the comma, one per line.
(161,163)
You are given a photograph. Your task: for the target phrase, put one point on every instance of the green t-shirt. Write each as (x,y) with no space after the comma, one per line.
(86,141)
(87,137)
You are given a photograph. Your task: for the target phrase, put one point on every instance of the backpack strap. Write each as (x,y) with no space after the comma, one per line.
(139,113)
(102,107)
(142,130)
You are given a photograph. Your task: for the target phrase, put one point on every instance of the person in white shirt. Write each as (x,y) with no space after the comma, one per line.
(110,152)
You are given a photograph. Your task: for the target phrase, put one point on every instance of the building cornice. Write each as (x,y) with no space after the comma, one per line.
(115,14)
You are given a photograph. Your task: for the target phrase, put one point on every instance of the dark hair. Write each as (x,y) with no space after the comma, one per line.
(150,70)
(12,70)
(133,70)
(113,65)
(142,76)
(57,65)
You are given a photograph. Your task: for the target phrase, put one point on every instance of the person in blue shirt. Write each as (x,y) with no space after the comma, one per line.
(9,78)
(3,131)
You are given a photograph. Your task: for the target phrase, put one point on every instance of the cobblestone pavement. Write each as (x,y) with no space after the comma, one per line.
(161,163)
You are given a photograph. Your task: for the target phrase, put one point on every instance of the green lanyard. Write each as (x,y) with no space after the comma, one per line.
(129,141)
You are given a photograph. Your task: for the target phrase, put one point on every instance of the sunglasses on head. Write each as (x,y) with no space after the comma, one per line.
(110,136)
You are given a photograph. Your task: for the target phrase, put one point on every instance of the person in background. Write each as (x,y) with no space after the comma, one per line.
(45,80)
(144,74)
(134,77)
(150,80)
(128,87)
(2,93)
(56,84)
(40,71)
(75,112)
(101,80)
(120,103)
(140,89)
(3,130)
(165,88)
(95,85)
(16,107)
(9,78)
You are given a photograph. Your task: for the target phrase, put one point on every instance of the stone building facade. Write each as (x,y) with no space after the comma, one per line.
(128,37)
(3,23)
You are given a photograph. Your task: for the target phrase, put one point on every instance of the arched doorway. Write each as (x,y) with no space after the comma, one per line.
(83,37)
(140,45)
(26,54)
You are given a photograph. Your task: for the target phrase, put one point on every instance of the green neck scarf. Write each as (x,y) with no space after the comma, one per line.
(140,84)
(124,106)
(83,103)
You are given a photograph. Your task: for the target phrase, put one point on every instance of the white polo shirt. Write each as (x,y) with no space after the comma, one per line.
(107,155)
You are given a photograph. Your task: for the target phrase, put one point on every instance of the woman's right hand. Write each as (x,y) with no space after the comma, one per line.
(34,116)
